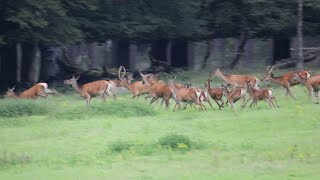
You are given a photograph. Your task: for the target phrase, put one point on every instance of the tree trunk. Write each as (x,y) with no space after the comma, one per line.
(191,55)
(107,62)
(249,49)
(91,55)
(270,52)
(133,57)
(19,62)
(168,52)
(221,46)
(179,53)
(300,63)
(208,53)
(240,50)
(35,64)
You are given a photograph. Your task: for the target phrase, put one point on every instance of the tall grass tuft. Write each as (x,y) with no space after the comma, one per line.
(15,108)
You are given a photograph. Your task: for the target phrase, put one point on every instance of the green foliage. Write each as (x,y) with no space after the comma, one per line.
(15,108)
(175,141)
(120,146)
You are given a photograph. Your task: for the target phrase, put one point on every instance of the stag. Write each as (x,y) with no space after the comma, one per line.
(312,84)
(286,80)
(136,88)
(88,90)
(235,80)
(215,93)
(40,89)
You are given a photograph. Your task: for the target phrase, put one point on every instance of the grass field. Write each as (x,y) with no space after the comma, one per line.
(128,139)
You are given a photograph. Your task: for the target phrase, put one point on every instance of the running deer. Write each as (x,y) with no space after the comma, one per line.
(136,88)
(88,90)
(182,94)
(286,80)
(261,94)
(157,89)
(215,93)
(234,79)
(40,89)
(312,84)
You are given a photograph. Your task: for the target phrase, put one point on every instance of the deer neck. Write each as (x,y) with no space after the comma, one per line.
(275,80)
(76,87)
(223,76)
(302,81)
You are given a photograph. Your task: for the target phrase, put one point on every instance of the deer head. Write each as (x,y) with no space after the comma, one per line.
(10,92)
(72,81)
(215,72)
(268,74)
(208,83)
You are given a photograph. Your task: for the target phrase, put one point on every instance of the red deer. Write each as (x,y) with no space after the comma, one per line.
(235,80)
(185,95)
(312,84)
(157,89)
(261,94)
(40,89)
(215,93)
(286,80)
(91,89)
(136,88)
(234,95)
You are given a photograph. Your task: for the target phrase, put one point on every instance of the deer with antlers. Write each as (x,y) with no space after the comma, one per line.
(136,88)
(38,90)
(261,94)
(286,80)
(183,94)
(215,93)
(234,79)
(88,90)
(312,84)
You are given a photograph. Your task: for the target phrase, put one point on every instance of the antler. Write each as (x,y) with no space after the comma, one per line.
(119,73)
(268,70)
(12,88)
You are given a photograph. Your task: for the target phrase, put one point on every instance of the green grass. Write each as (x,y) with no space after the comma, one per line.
(128,139)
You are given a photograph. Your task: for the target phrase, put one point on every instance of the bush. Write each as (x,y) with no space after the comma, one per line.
(14,108)
(175,141)
(120,146)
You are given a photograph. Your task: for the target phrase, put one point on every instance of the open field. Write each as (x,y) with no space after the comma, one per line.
(128,139)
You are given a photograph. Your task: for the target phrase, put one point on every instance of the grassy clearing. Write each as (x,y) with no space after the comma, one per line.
(128,139)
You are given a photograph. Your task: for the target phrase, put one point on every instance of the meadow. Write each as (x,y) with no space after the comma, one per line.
(129,139)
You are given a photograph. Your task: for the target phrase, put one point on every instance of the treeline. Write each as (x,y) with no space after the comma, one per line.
(30,27)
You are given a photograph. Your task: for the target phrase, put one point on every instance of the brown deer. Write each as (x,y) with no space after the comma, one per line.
(261,94)
(234,79)
(312,84)
(215,93)
(286,80)
(157,89)
(183,94)
(40,89)
(232,96)
(136,88)
(88,90)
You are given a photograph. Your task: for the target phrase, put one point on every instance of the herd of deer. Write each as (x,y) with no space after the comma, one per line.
(238,87)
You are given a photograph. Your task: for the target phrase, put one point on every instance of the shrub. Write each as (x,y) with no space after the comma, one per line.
(120,146)
(175,141)
(14,108)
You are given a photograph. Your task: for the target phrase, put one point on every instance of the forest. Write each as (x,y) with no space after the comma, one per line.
(41,40)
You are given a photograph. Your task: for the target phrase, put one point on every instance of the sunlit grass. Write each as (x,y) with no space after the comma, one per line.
(129,139)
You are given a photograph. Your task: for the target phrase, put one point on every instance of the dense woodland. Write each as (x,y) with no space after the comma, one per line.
(34,33)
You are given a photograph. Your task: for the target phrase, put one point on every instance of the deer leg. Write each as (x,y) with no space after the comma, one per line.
(153,100)
(317,95)
(245,104)
(211,104)
(103,97)
(269,101)
(289,92)
(148,96)
(185,106)
(222,103)
(110,94)
(253,101)
(275,101)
